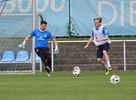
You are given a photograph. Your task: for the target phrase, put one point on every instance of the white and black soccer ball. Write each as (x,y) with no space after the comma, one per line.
(76,71)
(114,79)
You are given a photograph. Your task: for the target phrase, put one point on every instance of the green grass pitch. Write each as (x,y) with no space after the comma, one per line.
(90,85)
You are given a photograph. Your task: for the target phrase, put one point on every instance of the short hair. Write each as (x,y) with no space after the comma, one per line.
(98,18)
(43,22)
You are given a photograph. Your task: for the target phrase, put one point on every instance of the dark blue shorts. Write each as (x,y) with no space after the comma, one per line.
(101,48)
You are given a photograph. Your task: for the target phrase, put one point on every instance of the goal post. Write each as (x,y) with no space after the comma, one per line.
(33,40)
(14,28)
(2,6)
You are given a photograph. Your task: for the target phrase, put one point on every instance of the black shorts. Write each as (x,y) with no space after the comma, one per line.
(101,48)
(43,51)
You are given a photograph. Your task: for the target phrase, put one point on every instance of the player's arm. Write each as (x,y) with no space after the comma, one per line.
(90,40)
(27,38)
(106,35)
(56,51)
(102,39)
(55,43)
(22,45)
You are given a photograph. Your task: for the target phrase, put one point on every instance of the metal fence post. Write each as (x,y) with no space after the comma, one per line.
(124,49)
(52,57)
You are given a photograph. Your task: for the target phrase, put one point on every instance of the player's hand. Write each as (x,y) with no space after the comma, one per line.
(98,40)
(85,46)
(56,51)
(21,46)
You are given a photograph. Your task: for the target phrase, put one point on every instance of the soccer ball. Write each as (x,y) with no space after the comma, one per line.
(114,79)
(76,71)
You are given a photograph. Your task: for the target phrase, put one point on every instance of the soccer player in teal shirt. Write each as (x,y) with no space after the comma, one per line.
(41,45)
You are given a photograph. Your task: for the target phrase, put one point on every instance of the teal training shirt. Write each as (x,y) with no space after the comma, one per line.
(41,37)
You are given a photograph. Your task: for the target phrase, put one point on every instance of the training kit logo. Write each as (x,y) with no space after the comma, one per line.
(41,38)
(45,35)
(106,31)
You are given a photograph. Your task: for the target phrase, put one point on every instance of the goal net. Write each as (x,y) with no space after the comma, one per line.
(15,25)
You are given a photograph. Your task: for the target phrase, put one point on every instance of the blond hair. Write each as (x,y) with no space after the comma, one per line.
(98,18)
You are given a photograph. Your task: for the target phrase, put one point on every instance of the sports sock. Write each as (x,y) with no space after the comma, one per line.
(106,66)
(108,63)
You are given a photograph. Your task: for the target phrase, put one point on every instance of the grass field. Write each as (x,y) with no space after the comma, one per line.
(92,85)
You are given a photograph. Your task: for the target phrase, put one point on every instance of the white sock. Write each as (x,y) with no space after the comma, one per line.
(108,64)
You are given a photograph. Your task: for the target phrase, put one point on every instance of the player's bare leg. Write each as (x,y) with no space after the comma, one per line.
(101,61)
(106,55)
